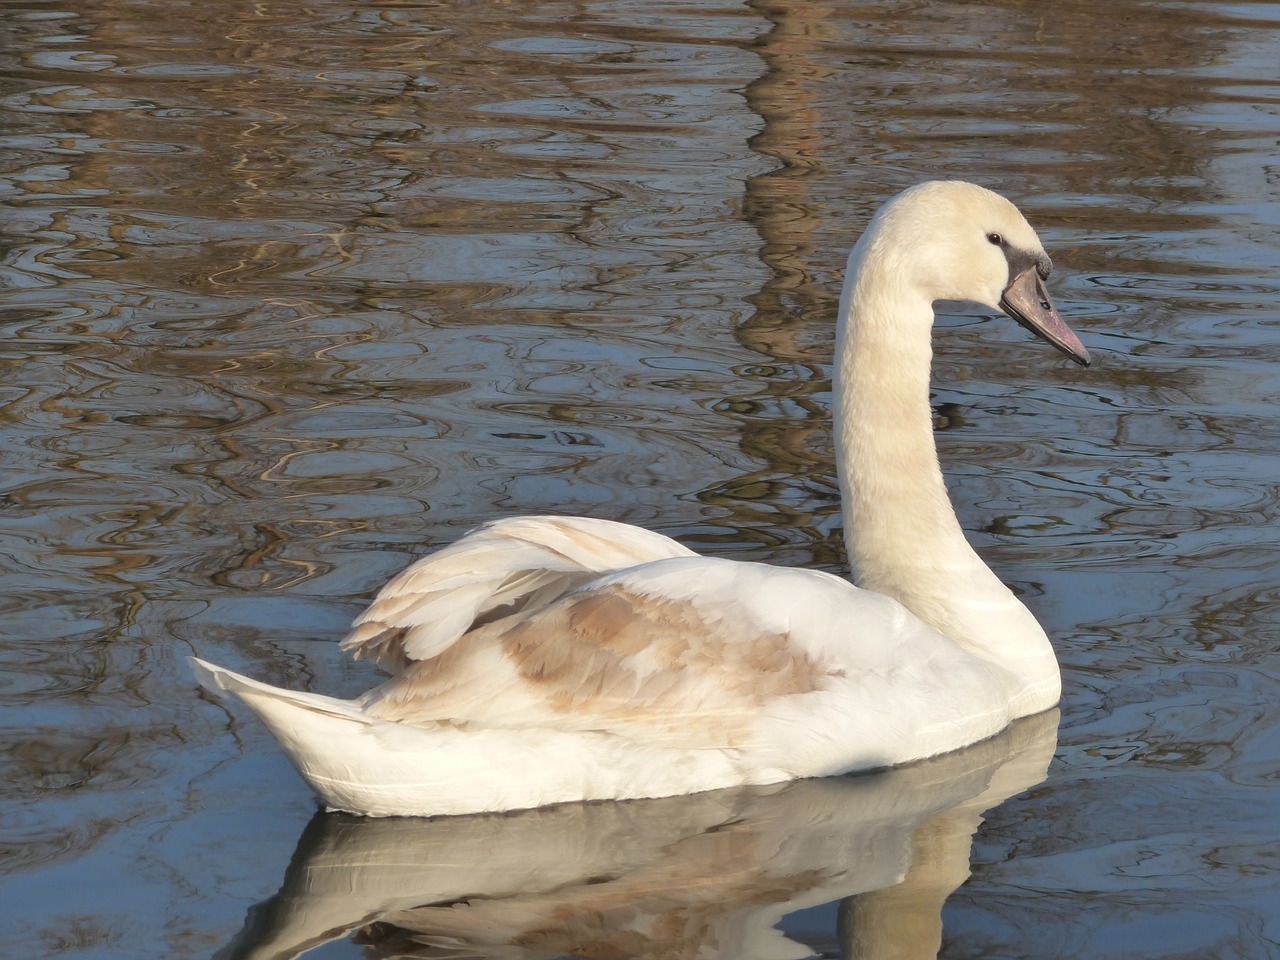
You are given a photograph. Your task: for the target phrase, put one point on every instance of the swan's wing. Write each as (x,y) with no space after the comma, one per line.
(494,571)
(687,652)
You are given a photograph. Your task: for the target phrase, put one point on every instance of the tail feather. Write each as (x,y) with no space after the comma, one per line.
(343,754)
(375,767)
(258,695)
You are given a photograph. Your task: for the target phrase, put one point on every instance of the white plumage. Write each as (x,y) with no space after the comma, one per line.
(546,659)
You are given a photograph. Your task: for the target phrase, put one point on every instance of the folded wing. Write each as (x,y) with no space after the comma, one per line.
(686,653)
(499,569)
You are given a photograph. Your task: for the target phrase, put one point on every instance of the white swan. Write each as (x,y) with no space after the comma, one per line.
(546,659)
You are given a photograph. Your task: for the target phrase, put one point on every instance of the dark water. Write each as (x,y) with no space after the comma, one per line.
(294,293)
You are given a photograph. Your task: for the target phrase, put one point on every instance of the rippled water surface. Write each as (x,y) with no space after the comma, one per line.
(295,292)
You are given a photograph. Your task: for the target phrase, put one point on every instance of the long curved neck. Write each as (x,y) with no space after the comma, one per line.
(900,528)
(901,531)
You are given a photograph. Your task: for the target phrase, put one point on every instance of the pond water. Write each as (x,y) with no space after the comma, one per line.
(294,293)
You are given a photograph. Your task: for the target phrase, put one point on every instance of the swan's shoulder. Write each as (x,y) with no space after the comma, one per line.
(494,570)
(687,651)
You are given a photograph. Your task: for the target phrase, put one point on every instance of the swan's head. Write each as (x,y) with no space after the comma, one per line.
(958,241)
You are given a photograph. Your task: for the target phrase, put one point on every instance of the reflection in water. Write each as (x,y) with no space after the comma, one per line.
(707,875)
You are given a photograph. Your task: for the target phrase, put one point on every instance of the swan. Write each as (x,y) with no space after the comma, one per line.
(540,660)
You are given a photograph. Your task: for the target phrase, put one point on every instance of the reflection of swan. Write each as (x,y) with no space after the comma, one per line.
(703,876)
(543,660)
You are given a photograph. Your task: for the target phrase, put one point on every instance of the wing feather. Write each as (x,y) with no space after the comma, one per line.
(681,652)
(498,569)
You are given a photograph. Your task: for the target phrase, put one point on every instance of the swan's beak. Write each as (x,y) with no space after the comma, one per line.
(1027,301)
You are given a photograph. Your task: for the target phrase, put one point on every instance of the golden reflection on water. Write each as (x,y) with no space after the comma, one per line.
(294,294)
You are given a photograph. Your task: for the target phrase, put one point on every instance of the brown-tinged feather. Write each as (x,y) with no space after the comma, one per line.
(608,659)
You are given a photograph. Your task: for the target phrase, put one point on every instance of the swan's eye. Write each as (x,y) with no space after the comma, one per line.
(995,238)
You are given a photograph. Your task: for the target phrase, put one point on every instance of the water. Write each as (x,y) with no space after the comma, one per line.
(295,293)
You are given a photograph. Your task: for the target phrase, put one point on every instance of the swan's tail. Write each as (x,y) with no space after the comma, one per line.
(349,759)
(268,701)
(374,767)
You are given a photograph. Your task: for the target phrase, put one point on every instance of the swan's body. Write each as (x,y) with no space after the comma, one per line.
(546,659)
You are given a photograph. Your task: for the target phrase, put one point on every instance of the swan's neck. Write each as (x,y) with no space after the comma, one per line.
(901,531)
